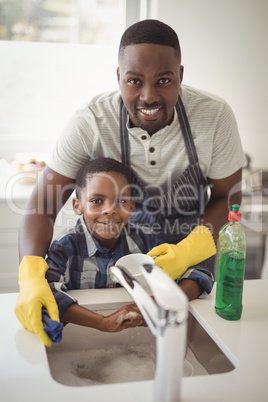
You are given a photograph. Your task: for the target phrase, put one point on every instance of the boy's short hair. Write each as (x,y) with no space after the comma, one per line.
(150,31)
(100,165)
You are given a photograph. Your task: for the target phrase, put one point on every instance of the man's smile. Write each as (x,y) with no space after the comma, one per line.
(149,112)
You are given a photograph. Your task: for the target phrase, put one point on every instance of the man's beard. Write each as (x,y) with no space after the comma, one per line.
(151,126)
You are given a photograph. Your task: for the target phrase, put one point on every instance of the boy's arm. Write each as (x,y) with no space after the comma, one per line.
(58,261)
(191,288)
(69,311)
(125,317)
(195,281)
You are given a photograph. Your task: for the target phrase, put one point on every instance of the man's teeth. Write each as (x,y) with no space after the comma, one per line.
(149,111)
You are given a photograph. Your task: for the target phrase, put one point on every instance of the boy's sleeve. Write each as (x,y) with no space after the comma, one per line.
(201,275)
(58,262)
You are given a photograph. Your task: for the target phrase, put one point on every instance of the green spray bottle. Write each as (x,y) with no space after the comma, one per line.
(231,267)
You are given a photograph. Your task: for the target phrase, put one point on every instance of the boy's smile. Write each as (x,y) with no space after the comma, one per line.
(106,205)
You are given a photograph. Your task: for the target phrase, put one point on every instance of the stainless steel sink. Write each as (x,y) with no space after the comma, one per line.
(205,349)
(89,357)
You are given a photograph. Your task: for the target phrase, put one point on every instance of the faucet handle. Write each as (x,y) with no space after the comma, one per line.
(132,264)
(167,294)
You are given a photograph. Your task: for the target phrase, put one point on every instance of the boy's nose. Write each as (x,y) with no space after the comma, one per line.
(110,209)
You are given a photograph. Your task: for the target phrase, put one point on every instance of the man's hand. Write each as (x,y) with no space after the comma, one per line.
(175,259)
(35,293)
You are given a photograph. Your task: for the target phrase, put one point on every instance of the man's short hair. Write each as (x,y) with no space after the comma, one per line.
(100,165)
(150,31)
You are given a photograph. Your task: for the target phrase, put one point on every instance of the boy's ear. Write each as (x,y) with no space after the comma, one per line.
(132,206)
(77,206)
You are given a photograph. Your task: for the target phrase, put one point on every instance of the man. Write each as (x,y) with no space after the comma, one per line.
(179,143)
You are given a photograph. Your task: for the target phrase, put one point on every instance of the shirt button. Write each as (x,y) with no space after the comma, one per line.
(143,137)
(152,149)
(83,275)
(153,163)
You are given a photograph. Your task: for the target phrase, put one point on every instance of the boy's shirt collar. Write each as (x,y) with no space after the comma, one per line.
(91,245)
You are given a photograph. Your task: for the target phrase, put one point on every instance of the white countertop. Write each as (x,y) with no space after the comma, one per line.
(25,372)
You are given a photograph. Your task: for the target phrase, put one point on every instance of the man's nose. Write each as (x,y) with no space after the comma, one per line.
(149,94)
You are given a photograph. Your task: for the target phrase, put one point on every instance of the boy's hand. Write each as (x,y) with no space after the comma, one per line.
(35,293)
(175,259)
(126,317)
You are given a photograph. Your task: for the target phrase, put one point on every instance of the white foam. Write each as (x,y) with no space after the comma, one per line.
(128,316)
(114,364)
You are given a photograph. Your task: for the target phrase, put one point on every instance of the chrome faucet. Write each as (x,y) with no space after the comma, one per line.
(165,314)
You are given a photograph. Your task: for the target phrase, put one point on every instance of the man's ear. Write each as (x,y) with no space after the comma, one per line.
(77,206)
(118,75)
(181,73)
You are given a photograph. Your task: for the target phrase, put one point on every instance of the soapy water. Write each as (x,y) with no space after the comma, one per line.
(115,364)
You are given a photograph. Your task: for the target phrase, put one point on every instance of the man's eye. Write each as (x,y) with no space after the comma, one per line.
(134,81)
(164,81)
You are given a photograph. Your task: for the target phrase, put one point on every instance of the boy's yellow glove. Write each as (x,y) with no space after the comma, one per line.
(175,259)
(35,293)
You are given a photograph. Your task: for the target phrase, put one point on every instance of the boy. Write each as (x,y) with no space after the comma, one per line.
(82,256)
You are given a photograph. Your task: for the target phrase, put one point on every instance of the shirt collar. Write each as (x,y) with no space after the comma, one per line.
(89,245)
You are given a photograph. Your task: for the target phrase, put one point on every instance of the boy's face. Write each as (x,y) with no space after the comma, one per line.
(106,205)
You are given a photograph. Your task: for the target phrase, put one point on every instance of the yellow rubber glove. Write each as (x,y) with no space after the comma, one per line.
(35,293)
(175,259)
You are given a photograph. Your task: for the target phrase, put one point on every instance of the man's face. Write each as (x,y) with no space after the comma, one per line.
(149,78)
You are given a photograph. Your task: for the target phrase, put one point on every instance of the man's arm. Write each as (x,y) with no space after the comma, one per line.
(224,193)
(49,195)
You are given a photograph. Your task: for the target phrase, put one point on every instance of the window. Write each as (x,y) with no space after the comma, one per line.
(61,21)
(55,56)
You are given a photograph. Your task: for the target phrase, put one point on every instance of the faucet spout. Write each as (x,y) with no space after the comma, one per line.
(140,296)
(165,312)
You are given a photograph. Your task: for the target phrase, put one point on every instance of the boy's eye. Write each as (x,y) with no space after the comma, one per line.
(121,200)
(96,201)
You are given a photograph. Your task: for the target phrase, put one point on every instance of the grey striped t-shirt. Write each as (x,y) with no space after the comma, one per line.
(93,131)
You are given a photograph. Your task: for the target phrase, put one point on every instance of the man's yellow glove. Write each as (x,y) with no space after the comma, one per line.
(35,293)
(175,259)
